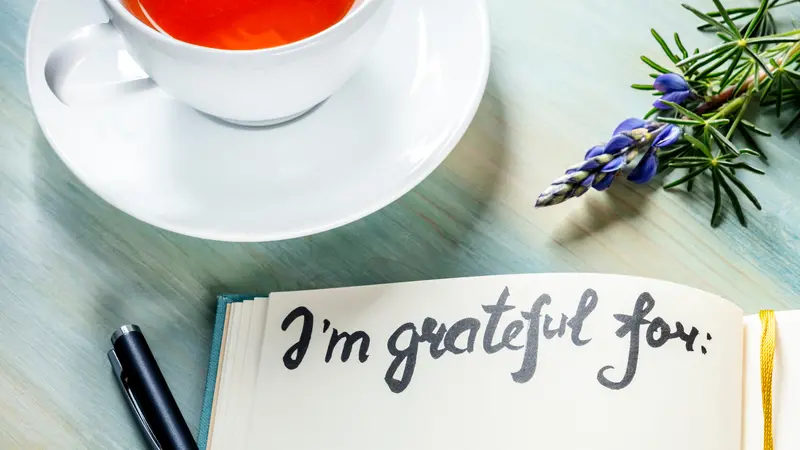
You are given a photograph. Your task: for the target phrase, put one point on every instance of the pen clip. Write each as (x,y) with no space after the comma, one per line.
(116,366)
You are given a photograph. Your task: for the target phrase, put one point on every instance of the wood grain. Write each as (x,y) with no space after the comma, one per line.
(72,268)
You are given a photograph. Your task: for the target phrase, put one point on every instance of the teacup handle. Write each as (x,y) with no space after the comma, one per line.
(77,49)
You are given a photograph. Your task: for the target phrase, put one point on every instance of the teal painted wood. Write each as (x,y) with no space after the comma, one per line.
(72,267)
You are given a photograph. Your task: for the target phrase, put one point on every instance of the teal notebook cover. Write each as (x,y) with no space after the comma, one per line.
(213,362)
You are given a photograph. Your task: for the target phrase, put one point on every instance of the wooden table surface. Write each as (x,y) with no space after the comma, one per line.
(72,268)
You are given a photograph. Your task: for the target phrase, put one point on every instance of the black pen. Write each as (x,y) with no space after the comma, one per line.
(147,392)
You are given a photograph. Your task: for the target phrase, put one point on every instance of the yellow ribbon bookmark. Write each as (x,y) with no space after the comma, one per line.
(767,365)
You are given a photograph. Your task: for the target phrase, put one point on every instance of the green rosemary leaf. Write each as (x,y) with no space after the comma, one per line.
(734,17)
(724,36)
(708,19)
(791,123)
(779,98)
(739,116)
(668,51)
(690,159)
(749,10)
(773,27)
(654,75)
(751,142)
(681,48)
(690,185)
(698,55)
(717,198)
(714,75)
(690,71)
(718,122)
(691,152)
(755,128)
(724,13)
(788,95)
(794,88)
(794,56)
(792,73)
(747,151)
(731,67)
(683,111)
(687,177)
(756,77)
(662,167)
(760,62)
(725,171)
(686,165)
(743,66)
(742,29)
(767,99)
(652,112)
(744,166)
(720,61)
(760,31)
(696,143)
(756,18)
(643,87)
(674,152)
(768,28)
(705,61)
(724,142)
(737,207)
(772,39)
(745,74)
(677,121)
(767,88)
(652,64)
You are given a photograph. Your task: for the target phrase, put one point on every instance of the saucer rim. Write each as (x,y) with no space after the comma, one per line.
(414,179)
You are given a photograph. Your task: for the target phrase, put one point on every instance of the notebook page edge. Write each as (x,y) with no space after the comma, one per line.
(261,312)
(218,381)
(259,379)
(239,373)
(233,389)
(220,426)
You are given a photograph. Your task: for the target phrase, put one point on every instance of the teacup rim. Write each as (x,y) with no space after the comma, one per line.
(120,9)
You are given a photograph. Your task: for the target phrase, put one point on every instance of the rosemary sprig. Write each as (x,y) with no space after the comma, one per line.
(699,123)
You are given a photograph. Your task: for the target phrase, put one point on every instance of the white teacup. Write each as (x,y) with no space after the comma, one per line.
(254,87)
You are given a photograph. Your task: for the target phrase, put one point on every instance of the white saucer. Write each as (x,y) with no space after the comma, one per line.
(172,167)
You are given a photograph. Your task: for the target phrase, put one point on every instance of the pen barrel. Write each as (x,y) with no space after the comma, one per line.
(152,393)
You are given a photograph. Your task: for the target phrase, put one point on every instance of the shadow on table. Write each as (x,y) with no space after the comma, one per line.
(428,233)
(601,211)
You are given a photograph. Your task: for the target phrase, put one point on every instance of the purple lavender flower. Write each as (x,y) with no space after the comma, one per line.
(647,167)
(674,87)
(602,163)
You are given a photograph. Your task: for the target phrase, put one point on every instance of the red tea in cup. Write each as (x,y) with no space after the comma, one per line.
(239,24)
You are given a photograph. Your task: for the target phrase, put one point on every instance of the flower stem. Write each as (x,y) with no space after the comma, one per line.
(729,108)
(740,115)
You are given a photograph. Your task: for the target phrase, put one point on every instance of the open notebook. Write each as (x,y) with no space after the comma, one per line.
(565,361)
